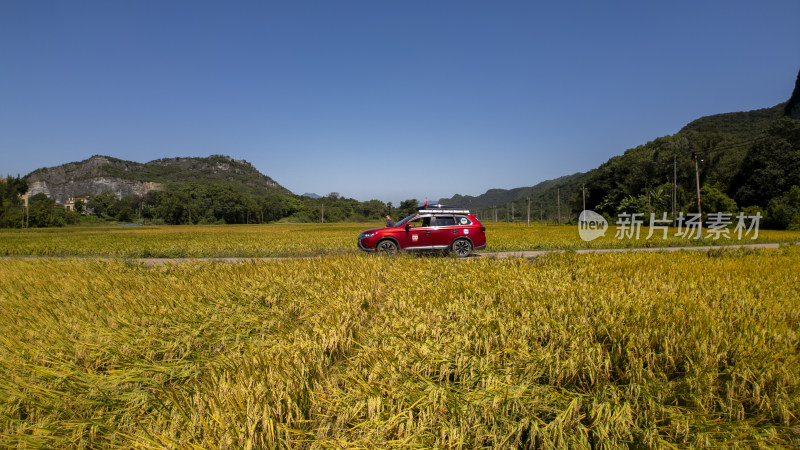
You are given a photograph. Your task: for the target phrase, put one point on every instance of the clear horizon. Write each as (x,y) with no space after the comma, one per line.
(389,100)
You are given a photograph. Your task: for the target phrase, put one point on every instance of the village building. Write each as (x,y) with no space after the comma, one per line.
(69,205)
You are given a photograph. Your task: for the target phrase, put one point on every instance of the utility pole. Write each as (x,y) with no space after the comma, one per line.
(322,215)
(699,209)
(584,196)
(529,211)
(512,211)
(674,185)
(558,199)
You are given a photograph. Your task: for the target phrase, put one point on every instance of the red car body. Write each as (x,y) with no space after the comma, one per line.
(453,230)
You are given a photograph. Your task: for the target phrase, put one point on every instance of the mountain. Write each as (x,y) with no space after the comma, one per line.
(103,173)
(747,125)
(497,197)
(746,159)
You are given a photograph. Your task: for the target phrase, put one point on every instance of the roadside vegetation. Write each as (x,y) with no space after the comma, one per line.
(610,350)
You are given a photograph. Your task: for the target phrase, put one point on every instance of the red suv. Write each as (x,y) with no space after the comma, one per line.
(433,228)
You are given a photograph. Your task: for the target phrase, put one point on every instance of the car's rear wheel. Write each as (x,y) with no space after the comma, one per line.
(387,247)
(461,248)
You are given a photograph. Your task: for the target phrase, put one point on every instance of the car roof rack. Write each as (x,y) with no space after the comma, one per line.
(436,206)
(443,211)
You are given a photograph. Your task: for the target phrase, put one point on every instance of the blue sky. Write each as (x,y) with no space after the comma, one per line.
(384,100)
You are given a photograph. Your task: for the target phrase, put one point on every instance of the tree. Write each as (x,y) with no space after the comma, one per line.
(271,208)
(373,209)
(172,208)
(714,200)
(407,207)
(13,189)
(771,166)
(11,212)
(124,210)
(102,204)
(40,211)
(660,199)
(784,212)
(632,205)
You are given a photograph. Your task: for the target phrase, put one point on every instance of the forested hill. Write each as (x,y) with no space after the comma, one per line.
(174,191)
(747,161)
(100,174)
(499,197)
(747,125)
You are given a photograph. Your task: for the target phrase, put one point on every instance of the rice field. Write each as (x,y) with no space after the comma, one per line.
(185,241)
(282,240)
(640,350)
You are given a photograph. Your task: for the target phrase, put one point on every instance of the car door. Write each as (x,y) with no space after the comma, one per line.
(417,233)
(443,231)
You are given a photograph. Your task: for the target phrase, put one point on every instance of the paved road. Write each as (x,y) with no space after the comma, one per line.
(516,254)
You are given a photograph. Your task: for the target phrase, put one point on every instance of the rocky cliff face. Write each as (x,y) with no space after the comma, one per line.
(99,174)
(84,178)
(60,192)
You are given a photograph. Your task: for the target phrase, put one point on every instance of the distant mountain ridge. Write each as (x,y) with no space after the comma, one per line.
(745,125)
(724,140)
(99,174)
(495,197)
(737,128)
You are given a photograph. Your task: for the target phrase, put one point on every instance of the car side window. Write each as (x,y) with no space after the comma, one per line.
(445,221)
(463,220)
(420,222)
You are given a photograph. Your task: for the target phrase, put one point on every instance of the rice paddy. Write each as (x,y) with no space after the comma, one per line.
(642,350)
(286,240)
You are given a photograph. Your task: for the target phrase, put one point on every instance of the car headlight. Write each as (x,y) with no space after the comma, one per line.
(366,235)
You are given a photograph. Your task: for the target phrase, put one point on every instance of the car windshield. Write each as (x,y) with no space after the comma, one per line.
(403,222)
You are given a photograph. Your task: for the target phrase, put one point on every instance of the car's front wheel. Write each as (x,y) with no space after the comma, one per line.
(387,247)
(461,248)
